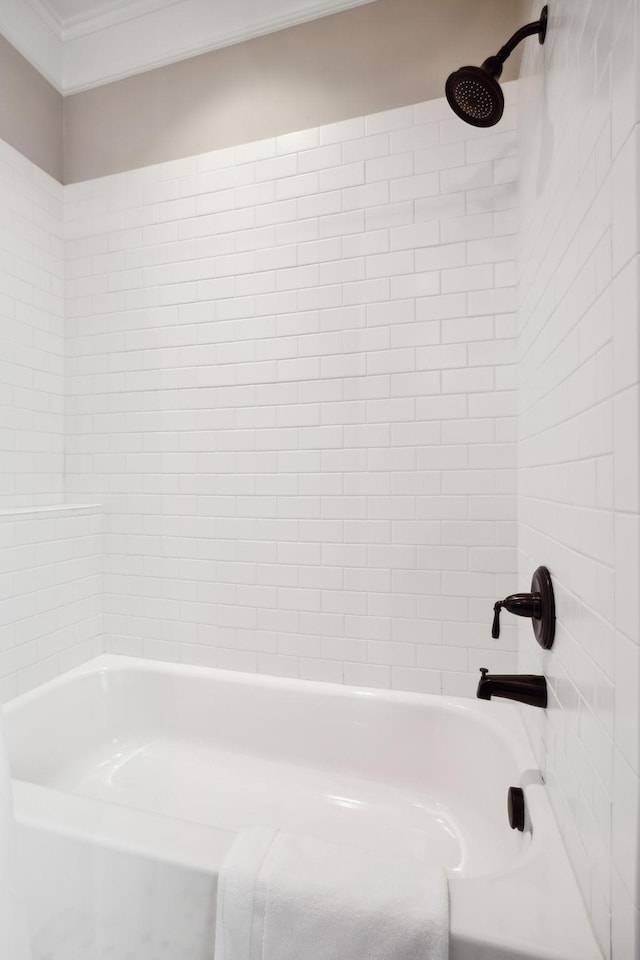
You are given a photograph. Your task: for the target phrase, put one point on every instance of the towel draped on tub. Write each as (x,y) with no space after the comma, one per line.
(288,897)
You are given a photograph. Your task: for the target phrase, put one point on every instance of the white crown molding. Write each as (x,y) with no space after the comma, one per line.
(139,45)
(35,37)
(136,36)
(46,12)
(121,12)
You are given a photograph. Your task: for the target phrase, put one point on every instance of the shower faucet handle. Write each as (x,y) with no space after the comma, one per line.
(495,628)
(521,604)
(538,606)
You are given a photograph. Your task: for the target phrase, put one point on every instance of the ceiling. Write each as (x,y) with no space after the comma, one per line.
(79,44)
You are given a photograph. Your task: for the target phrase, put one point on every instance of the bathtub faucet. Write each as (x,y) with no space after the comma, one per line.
(524,687)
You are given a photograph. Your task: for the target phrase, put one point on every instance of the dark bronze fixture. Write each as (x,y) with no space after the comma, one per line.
(474,93)
(515,808)
(539,605)
(523,687)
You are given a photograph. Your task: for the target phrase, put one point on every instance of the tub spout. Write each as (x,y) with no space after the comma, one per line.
(524,687)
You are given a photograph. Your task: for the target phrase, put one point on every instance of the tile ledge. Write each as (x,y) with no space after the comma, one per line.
(48,510)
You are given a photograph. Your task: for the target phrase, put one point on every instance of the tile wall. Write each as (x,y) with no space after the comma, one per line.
(50,556)
(579,429)
(31,333)
(51,593)
(291,382)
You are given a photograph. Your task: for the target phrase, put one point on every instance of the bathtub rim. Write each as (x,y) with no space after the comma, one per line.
(501,718)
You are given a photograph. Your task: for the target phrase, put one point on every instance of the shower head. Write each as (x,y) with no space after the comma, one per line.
(474,93)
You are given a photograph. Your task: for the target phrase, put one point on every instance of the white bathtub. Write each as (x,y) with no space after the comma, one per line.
(132,777)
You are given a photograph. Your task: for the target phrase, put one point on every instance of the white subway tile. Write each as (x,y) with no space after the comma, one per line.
(308,472)
(320,158)
(365,148)
(440,157)
(367,675)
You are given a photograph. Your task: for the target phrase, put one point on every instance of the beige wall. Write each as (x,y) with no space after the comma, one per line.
(374,57)
(30,111)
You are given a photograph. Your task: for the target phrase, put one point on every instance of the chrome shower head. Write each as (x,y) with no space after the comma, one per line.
(474,93)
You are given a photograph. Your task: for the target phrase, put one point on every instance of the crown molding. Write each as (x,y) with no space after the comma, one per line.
(154,57)
(136,36)
(33,35)
(122,12)
(46,13)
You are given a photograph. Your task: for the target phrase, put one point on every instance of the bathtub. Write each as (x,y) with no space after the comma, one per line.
(132,777)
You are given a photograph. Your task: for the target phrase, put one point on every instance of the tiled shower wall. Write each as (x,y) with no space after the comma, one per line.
(579,429)
(50,556)
(51,608)
(31,334)
(291,382)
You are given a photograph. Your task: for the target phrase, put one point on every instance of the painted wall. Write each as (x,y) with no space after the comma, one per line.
(386,54)
(30,112)
(291,383)
(578,449)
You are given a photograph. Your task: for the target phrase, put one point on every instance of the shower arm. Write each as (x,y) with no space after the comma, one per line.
(538,27)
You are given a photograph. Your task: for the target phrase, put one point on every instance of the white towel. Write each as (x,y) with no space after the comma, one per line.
(288,897)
